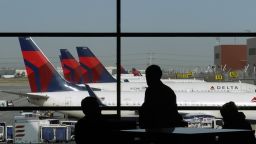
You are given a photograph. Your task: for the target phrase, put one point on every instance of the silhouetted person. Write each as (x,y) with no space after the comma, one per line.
(233,119)
(92,128)
(159,109)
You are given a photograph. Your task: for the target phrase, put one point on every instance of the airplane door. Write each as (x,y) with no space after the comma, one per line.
(68,101)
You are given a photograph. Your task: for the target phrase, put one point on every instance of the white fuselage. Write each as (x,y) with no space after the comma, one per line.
(73,98)
(181,86)
(132,78)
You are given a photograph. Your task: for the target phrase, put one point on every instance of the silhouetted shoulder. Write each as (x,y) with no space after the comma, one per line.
(235,120)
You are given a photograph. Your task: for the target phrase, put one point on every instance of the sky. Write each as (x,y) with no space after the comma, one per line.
(137,16)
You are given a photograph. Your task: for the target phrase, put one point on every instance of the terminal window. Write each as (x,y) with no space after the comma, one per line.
(252,51)
(217,56)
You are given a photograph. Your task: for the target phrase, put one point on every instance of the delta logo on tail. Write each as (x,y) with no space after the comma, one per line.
(96,71)
(42,75)
(72,70)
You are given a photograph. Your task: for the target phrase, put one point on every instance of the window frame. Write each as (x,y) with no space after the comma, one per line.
(118,35)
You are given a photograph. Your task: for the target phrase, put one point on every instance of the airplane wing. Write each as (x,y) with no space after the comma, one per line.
(32,96)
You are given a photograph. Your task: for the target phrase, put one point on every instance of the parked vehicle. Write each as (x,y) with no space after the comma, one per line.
(55,133)
(26,130)
(9,134)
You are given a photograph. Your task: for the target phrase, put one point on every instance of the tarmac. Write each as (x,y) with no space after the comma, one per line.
(15,85)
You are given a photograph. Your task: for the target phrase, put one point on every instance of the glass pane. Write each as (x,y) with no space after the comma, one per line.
(187,62)
(187,16)
(58,16)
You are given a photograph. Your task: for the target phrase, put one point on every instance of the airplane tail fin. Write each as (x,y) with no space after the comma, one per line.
(135,72)
(123,71)
(96,71)
(72,70)
(42,76)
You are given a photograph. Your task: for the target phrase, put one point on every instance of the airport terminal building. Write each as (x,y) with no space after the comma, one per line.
(233,56)
(251,50)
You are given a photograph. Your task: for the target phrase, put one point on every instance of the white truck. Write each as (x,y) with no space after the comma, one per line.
(26,130)
(29,129)
(55,133)
(72,124)
(9,134)
(217,123)
(2,132)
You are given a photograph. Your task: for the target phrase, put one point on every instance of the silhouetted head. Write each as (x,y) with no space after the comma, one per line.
(90,106)
(228,110)
(153,75)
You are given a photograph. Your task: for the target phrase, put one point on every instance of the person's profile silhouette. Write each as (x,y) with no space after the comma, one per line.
(159,109)
(233,119)
(92,125)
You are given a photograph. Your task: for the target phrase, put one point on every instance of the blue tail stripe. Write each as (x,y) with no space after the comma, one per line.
(65,54)
(57,85)
(84,51)
(71,71)
(27,45)
(36,72)
(106,77)
(89,72)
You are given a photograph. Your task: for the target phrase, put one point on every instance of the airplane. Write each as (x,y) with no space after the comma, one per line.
(48,88)
(96,71)
(87,59)
(135,76)
(72,70)
(123,71)
(141,86)
(135,72)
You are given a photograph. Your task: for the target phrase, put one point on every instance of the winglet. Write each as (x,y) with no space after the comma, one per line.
(92,94)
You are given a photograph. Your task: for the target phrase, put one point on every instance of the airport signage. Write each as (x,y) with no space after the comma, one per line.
(184,75)
(233,74)
(218,77)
